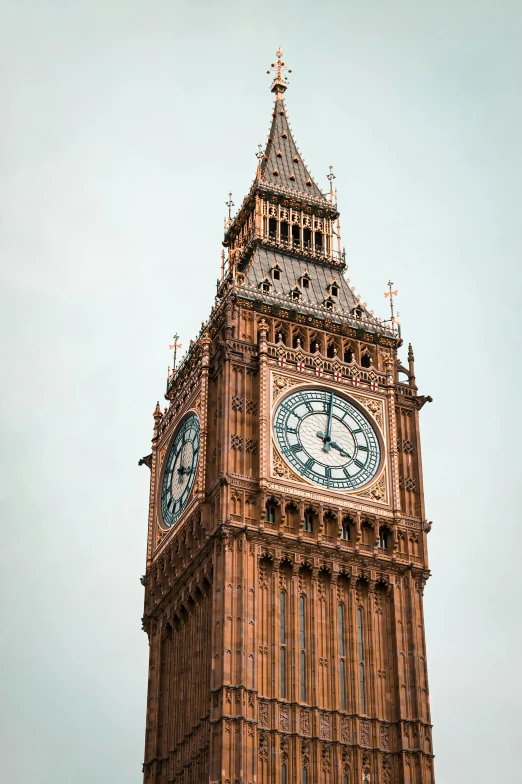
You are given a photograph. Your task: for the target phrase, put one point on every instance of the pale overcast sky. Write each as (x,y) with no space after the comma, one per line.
(124,125)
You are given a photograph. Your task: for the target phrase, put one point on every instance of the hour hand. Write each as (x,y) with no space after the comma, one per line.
(182,471)
(336,446)
(327,440)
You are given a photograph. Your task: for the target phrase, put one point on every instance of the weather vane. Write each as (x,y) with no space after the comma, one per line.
(280,82)
(391,294)
(229,204)
(174,347)
(331,177)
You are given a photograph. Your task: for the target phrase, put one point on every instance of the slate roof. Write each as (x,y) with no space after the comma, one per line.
(282,156)
(312,299)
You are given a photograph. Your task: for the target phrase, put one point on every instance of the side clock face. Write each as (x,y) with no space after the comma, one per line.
(326,439)
(180,470)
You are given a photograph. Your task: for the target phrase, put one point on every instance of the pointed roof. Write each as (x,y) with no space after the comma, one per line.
(282,164)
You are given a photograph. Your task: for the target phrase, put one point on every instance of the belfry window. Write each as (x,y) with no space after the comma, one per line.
(348,355)
(330,351)
(366,360)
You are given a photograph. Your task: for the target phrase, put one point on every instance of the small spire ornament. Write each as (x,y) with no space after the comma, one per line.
(280,82)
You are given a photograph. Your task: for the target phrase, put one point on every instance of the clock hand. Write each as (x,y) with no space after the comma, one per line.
(182,471)
(336,446)
(327,437)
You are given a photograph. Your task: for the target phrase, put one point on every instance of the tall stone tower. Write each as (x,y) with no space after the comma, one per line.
(287,553)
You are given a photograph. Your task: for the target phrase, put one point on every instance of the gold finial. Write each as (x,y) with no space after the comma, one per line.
(280,82)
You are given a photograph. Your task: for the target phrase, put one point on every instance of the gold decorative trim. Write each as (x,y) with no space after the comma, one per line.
(375,407)
(280,468)
(377,492)
(280,383)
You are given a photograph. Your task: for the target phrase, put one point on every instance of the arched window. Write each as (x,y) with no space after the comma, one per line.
(282,641)
(348,355)
(302,646)
(366,360)
(384,536)
(297,339)
(283,773)
(342,665)
(330,351)
(270,512)
(308,524)
(360,652)
(305,776)
(346,533)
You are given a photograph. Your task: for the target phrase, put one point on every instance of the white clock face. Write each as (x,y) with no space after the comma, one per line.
(180,470)
(327,439)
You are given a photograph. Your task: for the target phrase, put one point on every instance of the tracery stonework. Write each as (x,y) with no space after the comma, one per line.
(287,533)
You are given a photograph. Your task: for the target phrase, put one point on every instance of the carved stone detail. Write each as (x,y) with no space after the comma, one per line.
(280,468)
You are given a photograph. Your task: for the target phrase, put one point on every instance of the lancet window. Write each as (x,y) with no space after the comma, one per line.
(302,646)
(360,653)
(282,642)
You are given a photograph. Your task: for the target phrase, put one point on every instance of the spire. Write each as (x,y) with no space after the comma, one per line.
(282,167)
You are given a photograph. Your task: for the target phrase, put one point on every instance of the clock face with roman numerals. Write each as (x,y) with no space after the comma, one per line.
(327,439)
(180,470)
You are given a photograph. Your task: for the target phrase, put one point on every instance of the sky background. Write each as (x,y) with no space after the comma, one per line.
(124,125)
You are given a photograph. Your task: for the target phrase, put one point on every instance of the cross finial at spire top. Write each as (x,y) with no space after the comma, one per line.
(280,82)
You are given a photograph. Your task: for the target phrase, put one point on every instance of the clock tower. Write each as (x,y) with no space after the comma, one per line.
(286,556)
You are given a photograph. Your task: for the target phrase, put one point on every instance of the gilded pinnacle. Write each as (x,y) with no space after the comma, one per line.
(280,82)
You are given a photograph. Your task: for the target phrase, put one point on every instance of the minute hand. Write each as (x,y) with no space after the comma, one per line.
(327,437)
